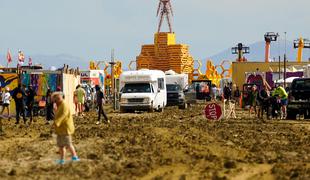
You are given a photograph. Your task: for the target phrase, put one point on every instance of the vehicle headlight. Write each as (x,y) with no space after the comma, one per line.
(146,100)
(124,100)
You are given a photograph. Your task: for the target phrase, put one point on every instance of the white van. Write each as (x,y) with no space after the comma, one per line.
(143,90)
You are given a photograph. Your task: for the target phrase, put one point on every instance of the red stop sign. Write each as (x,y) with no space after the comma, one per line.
(213,111)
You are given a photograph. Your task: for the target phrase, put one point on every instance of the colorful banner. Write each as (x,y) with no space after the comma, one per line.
(41,82)
(10,81)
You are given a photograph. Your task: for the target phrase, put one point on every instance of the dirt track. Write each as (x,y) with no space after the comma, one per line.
(172,145)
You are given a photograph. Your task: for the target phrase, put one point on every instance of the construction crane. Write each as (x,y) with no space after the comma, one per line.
(300,44)
(269,36)
(165,9)
(240,49)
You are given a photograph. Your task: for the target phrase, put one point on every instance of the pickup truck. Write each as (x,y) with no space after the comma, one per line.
(299,98)
(175,96)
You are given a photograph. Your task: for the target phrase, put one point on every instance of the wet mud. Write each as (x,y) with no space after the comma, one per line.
(175,144)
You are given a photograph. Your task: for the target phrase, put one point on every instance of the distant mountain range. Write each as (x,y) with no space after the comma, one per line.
(257,52)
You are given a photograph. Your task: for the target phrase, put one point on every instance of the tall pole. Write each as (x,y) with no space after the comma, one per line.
(284,74)
(113,90)
(279,67)
(267,51)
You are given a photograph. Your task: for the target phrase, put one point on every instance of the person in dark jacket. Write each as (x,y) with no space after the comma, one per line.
(49,106)
(237,95)
(30,94)
(99,102)
(263,98)
(18,96)
(227,92)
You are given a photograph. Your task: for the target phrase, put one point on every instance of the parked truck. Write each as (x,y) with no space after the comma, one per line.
(175,89)
(143,90)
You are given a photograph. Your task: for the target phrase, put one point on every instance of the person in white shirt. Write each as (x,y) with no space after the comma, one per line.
(6,98)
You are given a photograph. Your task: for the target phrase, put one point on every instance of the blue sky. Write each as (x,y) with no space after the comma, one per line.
(89,29)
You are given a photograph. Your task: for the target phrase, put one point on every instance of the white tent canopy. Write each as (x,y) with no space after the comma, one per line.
(287,80)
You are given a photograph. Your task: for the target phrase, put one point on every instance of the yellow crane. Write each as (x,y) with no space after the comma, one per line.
(300,44)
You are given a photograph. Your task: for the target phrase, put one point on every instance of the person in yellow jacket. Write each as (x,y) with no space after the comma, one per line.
(283,97)
(64,128)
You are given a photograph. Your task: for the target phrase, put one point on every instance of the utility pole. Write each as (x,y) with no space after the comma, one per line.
(279,67)
(113,88)
(284,74)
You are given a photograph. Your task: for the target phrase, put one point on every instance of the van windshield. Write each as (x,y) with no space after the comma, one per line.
(173,87)
(137,88)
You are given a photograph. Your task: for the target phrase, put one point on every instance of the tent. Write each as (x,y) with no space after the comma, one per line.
(287,80)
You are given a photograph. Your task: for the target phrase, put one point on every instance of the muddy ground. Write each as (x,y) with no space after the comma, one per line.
(176,144)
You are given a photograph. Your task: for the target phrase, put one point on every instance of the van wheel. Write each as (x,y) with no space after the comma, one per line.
(291,115)
(161,109)
(122,110)
(151,110)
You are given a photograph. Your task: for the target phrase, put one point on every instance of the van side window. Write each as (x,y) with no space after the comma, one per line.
(161,83)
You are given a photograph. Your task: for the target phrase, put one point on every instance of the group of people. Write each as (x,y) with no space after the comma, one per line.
(261,102)
(273,104)
(97,97)
(24,100)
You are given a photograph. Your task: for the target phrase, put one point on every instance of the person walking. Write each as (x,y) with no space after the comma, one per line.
(253,101)
(64,128)
(18,96)
(237,95)
(282,95)
(30,94)
(49,106)
(75,100)
(99,102)
(80,94)
(1,94)
(214,92)
(227,92)
(6,99)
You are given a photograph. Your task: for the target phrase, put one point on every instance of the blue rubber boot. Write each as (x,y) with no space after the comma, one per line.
(75,158)
(60,161)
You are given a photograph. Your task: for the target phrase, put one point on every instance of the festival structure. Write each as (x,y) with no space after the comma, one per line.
(301,44)
(216,73)
(41,80)
(107,81)
(165,54)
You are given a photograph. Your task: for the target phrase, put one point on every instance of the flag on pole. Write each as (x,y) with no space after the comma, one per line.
(9,57)
(21,56)
(30,61)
